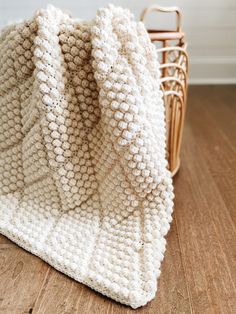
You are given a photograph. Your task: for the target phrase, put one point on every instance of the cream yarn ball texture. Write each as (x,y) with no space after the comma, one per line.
(84,183)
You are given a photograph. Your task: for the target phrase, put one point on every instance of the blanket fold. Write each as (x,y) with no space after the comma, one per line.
(84,183)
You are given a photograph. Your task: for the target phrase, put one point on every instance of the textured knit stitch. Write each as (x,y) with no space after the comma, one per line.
(83,176)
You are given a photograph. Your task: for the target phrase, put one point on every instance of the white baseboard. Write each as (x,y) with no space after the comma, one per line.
(212,81)
(214,70)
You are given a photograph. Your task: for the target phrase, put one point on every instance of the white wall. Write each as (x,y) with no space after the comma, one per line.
(210,26)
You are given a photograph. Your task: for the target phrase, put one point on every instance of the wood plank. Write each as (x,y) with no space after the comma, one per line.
(4,240)
(21,278)
(205,224)
(220,151)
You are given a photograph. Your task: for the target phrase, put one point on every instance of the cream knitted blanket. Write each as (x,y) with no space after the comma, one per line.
(83,178)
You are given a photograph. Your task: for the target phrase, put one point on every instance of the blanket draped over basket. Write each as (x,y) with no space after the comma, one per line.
(84,183)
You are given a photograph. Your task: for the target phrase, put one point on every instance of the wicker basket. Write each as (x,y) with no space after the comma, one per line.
(174,79)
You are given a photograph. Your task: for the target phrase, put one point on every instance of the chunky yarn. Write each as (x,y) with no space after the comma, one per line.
(83,176)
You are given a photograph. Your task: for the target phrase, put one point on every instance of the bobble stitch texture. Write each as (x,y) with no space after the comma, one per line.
(83,178)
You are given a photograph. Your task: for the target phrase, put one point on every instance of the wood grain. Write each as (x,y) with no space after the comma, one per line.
(199,269)
(21,278)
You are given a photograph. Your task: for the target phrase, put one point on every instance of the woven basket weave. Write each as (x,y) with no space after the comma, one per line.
(174,80)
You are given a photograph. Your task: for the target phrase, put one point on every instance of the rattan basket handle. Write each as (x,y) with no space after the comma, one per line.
(157,8)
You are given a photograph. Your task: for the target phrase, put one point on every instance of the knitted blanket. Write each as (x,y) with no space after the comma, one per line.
(84,183)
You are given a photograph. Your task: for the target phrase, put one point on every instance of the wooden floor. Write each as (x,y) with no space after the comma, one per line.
(199,269)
